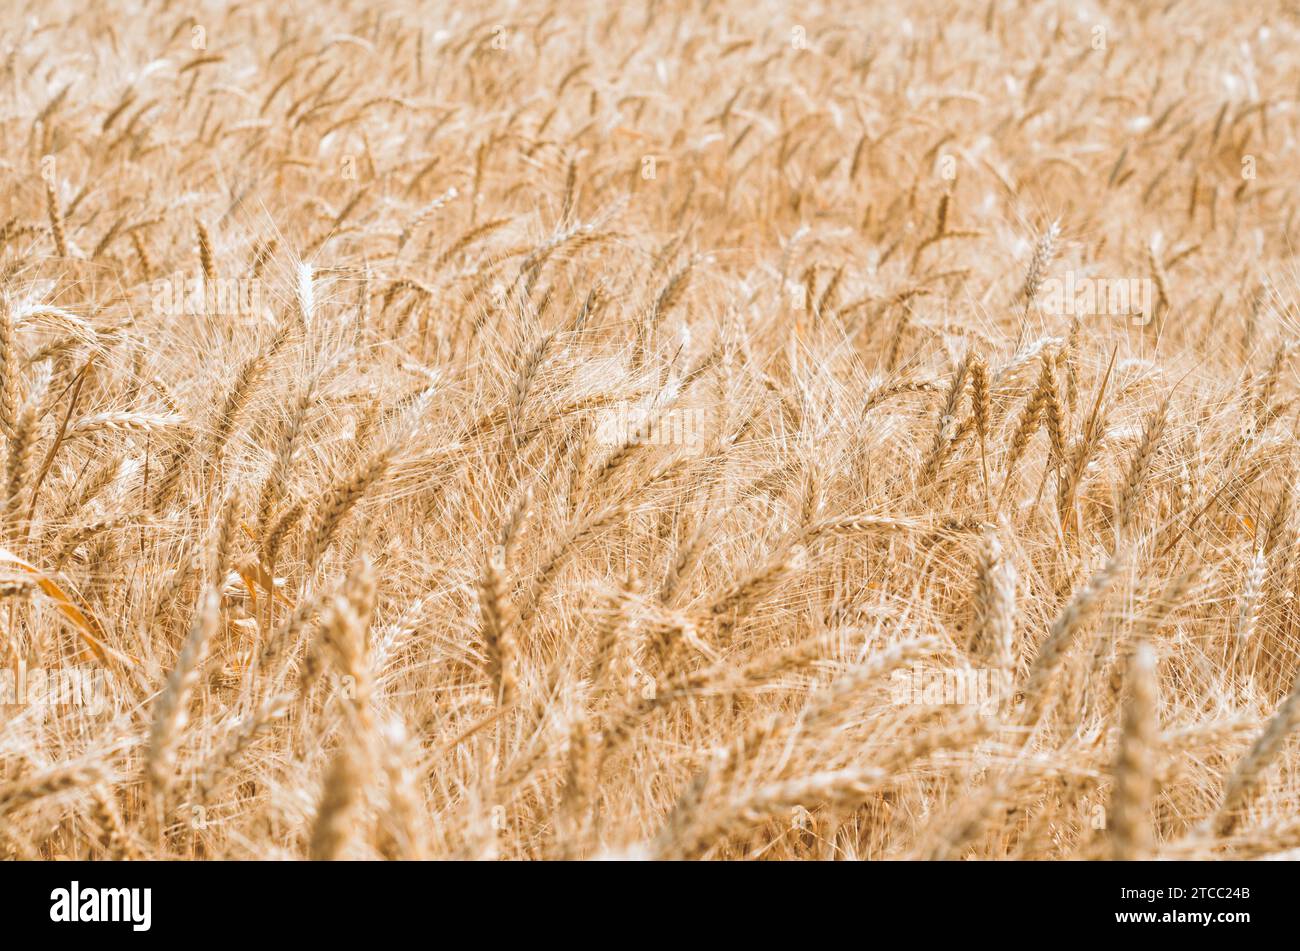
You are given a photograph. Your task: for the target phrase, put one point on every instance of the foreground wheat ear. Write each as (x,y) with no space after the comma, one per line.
(562,431)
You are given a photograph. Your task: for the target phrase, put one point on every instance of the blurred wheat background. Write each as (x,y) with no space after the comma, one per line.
(564,430)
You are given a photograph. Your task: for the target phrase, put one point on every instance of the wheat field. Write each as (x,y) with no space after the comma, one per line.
(690,430)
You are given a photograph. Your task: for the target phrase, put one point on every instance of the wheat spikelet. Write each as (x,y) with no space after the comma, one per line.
(1243,785)
(994,604)
(1131,806)
(1044,252)
(117,839)
(947,421)
(273,487)
(340,499)
(241,737)
(206,260)
(841,788)
(55,213)
(1027,424)
(1082,604)
(172,708)
(1139,467)
(123,422)
(9,356)
(18,466)
(1248,609)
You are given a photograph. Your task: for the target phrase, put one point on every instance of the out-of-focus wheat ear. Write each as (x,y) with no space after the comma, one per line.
(1243,785)
(255,725)
(344,635)
(263,253)
(283,641)
(1161,281)
(168,480)
(1130,824)
(944,734)
(172,707)
(899,334)
(736,602)
(1252,592)
(994,604)
(361,589)
(341,637)
(843,788)
(206,259)
(340,803)
(363,298)
(55,213)
(50,782)
(94,483)
(994,802)
(611,619)
(578,791)
(401,837)
(741,759)
(773,663)
(1260,401)
(685,558)
(1139,468)
(941,214)
(723,773)
(831,702)
(142,253)
(79,536)
(495,627)
(811,498)
(691,800)
(1044,252)
(497,624)
(1081,606)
